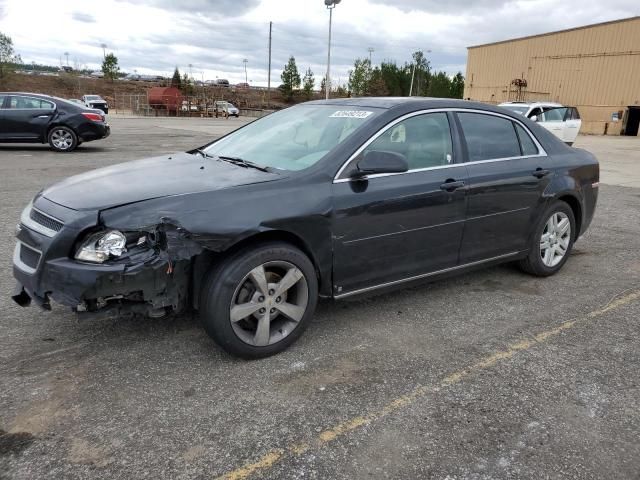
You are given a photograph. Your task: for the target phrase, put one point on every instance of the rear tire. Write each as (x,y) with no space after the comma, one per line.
(62,139)
(552,241)
(243,299)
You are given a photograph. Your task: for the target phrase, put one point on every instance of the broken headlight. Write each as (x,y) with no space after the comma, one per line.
(100,247)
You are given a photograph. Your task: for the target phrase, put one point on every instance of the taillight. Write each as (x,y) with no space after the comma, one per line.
(96,117)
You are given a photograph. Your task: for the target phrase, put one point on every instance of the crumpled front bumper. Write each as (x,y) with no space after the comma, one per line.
(45,270)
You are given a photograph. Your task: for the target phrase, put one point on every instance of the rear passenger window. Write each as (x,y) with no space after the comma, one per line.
(489,137)
(528,147)
(575,115)
(22,103)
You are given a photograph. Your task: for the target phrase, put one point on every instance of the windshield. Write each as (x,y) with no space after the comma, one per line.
(295,138)
(93,97)
(516,108)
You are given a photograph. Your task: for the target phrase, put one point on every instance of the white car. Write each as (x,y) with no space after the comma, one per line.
(564,122)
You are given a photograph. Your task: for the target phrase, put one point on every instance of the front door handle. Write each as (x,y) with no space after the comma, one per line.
(540,172)
(451,185)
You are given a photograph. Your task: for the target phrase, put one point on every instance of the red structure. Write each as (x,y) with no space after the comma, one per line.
(165,98)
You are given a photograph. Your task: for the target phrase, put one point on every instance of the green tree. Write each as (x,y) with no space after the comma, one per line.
(290,78)
(308,83)
(457,86)
(323,86)
(110,66)
(377,85)
(360,77)
(440,85)
(7,56)
(186,85)
(422,73)
(176,80)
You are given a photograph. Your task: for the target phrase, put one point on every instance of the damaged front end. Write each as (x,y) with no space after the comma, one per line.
(98,270)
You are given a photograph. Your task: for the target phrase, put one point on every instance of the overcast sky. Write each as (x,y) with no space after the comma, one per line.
(154,36)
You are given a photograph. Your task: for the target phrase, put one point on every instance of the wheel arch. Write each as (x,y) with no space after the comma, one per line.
(53,125)
(209,259)
(574,203)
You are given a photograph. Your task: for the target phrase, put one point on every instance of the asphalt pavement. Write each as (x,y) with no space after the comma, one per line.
(490,375)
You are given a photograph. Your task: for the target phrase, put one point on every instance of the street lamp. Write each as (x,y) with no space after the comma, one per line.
(330,4)
(104,50)
(245,70)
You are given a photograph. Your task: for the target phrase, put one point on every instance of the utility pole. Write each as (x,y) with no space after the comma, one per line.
(370,50)
(413,72)
(245,71)
(66,54)
(269,69)
(104,50)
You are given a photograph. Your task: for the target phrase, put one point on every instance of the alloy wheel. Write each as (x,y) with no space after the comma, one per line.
(269,303)
(555,239)
(61,139)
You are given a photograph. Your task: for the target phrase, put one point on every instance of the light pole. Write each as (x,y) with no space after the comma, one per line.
(330,4)
(370,50)
(66,54)
(245,71)
(104,50)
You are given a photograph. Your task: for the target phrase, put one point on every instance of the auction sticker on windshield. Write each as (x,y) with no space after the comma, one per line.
(351,114)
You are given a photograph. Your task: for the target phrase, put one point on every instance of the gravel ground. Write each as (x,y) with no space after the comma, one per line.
(493,374)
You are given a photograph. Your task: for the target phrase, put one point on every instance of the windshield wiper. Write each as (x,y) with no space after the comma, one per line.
(202,152)
(242,162)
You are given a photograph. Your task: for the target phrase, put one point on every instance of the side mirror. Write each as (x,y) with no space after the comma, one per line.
(379,161)
(533,118)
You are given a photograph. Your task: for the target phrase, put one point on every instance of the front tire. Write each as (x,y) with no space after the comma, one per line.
(552,242)
(62,139)
(260,300)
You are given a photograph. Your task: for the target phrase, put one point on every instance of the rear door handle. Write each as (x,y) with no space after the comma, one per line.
(540,172)
(452,185)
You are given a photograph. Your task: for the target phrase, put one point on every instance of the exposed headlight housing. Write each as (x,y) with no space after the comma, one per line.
(100,247)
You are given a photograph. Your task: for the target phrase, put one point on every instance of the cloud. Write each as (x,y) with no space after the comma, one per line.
(438,6)
(218,8)
(153,36)
(83,17)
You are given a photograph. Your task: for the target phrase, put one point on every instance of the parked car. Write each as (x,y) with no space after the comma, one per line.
(222,82)
(225,109)
(77,101)
(242,86)
(35,118)
(564,122)
(96,101)
(327,199)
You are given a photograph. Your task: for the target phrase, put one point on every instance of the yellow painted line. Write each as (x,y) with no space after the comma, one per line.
(341,429)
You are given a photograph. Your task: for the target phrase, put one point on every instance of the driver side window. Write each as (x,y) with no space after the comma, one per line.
(424,140)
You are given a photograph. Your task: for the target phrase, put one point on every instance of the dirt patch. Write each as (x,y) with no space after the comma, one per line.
(193,453)
(14,443)
(84,453)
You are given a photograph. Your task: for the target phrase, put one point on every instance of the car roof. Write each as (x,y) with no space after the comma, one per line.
(28,94)
(532,104)
(409,103)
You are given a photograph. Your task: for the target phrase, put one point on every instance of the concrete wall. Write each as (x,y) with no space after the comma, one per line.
(595,68)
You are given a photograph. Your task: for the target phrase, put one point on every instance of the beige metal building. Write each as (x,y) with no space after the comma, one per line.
(595,68)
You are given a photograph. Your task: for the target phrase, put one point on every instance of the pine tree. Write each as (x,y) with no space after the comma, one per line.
(290,78)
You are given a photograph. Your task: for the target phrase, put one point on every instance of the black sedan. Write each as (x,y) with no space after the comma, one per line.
(35,118)
(325,199)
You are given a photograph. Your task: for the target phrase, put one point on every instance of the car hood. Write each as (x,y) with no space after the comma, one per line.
(131,182)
